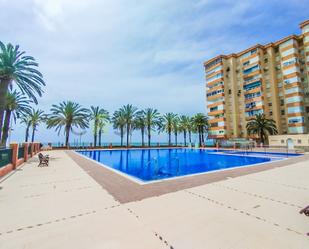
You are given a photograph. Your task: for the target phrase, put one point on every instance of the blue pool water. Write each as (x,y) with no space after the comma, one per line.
(155,164)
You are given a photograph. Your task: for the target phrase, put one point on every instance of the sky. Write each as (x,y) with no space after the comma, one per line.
(146,53)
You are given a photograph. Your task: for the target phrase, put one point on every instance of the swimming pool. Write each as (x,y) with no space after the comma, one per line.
(156,164)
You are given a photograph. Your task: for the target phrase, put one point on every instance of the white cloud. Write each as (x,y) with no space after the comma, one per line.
(113,52)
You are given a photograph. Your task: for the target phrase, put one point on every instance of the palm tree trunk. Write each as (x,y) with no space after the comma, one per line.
(27,132)
(121,136)
(100,137)
(199,136)
(149,135)
(95,134)
(67,135)
(6,127)
(185,137)
(4,85)
(143,131)
(33,131)
(190,136)
(176,138)
(128,135)
(169,137)
(262,138)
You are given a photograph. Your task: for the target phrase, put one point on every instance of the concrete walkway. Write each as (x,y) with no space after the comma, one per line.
(61,206)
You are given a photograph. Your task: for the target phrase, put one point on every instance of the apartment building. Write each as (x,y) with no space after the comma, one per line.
(271,79)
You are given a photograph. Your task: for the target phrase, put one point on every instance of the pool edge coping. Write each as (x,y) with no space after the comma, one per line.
(125,190)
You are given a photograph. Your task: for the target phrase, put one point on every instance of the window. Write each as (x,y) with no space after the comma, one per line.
(251,69)
(253,113)
(282,141)
(299,141)
(270,104)
(294,99)
(295,109)
(289,62)
(270,113)
(209,65)
(293,90)
(219,75)
(214,70)
(252,95)
(215,92)
(246,63)
(252,85)
(254,51)
(282,112)
(282,102)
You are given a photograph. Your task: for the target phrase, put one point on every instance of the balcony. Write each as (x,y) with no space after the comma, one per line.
(253,108)
(216,104)
(214,134)
(216,120)
(296,125)
(217,128)
(254,90)
(216,96)
(216,112)
(250,114)
(295,114)
(254,99)
(254,79)
(214,81)
(212,74)
(257,72)
(252,85)
(219,88)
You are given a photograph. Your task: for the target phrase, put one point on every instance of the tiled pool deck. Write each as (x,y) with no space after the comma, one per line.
(75,203)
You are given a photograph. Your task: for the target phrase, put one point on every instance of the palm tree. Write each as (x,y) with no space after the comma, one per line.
(262,126)
(36,117)
(200,122)
(67,114)
(129,113)
(16,67)
(176,128)
(99,117)
(140,124)
(119,123)
(25,118)
(94,114)
(152,120)
(16,104)
(190,129)
(185,127)
(103,120)
(167,124)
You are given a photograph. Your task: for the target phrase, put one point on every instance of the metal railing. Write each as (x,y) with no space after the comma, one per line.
(29,150)
(21,152)
(87,145)
(5,157)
